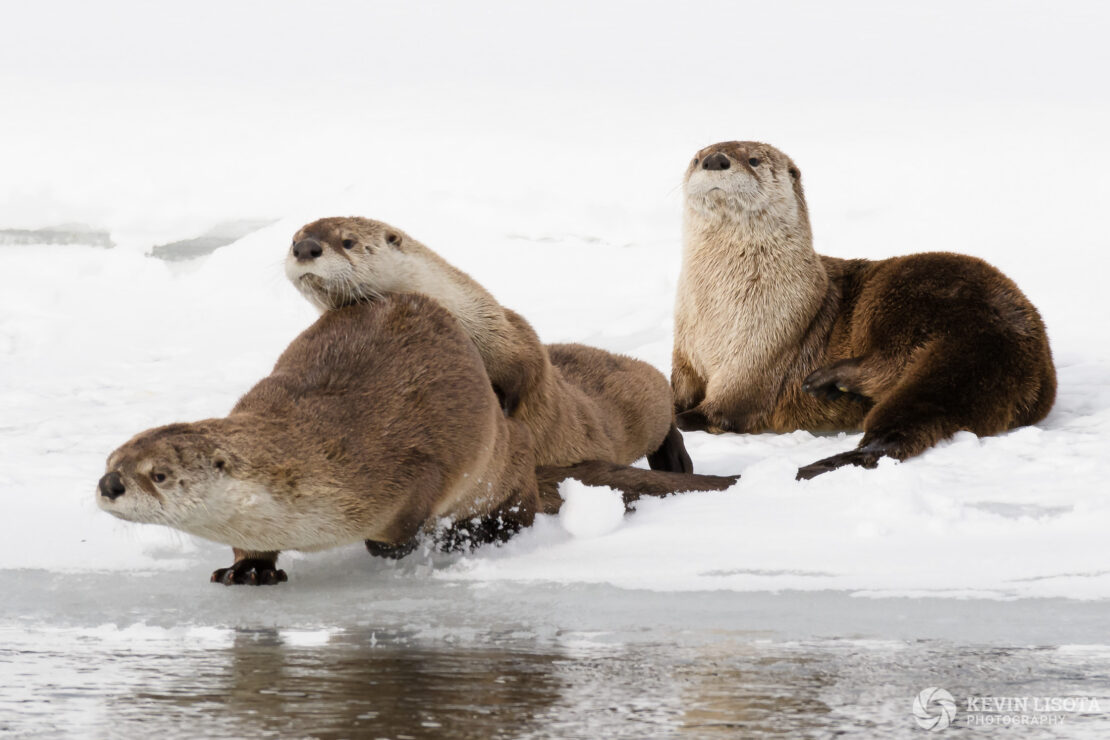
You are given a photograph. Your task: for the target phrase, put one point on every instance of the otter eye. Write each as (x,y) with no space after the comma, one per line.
(695,162)
(348,243)
(158,477)
(754,161)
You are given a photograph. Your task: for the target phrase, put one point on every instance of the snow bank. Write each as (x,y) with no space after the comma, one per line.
(100,344)
(561,196)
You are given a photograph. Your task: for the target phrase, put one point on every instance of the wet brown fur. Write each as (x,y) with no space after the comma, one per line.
(909,350)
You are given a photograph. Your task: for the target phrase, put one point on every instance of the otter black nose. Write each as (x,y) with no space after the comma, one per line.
(716,161)
(111,486)
(307,249)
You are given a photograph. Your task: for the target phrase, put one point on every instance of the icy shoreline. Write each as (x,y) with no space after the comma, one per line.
(1019,515)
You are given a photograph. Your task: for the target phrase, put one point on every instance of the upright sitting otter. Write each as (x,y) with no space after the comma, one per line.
(578,402)
(377,422)
(769,335)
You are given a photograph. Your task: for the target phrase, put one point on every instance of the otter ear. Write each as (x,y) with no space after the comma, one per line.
(392,239)
(794,173)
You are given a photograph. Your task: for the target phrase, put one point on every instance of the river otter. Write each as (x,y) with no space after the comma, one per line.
(579,403)
(377,422)
(769,335)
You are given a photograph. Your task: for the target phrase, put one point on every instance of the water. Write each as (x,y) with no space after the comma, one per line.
(405,655)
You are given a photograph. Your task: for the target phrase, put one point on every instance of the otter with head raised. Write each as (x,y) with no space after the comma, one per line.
(578,402)
(771,336)
(378,422)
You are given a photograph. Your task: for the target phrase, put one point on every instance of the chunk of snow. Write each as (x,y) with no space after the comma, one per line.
(589,511)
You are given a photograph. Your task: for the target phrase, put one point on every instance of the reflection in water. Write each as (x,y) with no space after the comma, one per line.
(214,682)
(263,686)
(728,692)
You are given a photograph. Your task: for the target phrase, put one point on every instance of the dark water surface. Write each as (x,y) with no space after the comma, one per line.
(88,656)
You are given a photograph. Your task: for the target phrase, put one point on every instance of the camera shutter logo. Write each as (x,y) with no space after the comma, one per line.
(934,709)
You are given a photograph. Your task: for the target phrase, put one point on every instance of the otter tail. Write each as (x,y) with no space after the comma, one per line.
(671,455)
(631,482)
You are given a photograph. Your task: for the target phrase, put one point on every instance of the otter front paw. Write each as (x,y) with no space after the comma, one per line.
(829,384)
(250,572)
(699,420)
(393,552)
(691,421)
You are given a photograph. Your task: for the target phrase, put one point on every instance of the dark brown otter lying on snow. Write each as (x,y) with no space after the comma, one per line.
(769,335)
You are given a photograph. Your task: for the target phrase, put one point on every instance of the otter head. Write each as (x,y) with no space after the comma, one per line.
(737,179)
(335,262)
(166,476)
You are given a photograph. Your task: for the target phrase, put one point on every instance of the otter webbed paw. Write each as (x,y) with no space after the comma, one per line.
(393,552)
(829,384)
(671,455)
(691,421)
(250,572)
(698,420)
(468,534)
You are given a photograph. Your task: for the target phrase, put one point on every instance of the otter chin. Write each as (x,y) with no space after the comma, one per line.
(331,268)
(771,336)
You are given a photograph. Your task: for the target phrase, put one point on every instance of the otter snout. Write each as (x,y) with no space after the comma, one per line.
(307,250)
(111,486)
(716,161)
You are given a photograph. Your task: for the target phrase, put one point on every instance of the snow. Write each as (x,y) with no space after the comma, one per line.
(555,184)
(589,511)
